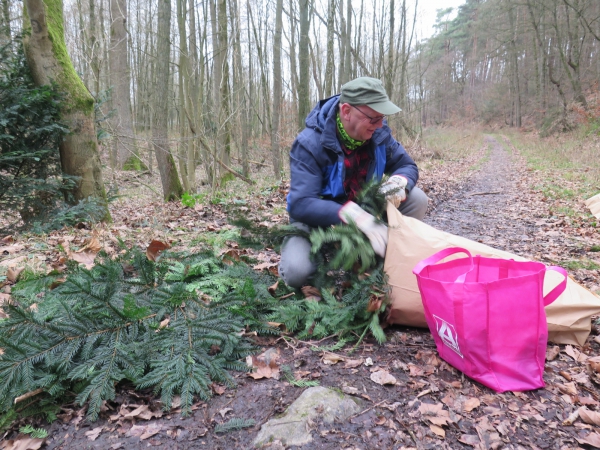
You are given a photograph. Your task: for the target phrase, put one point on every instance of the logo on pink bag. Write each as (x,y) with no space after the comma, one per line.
(448,334)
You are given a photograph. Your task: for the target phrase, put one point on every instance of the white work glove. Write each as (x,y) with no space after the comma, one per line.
(377,233)
(394,189)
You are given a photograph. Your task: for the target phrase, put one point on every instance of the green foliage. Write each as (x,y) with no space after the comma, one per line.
(35,433)
(234,424)
(134,320)
(351,246)
(329,316)
(31,180)
(190,200)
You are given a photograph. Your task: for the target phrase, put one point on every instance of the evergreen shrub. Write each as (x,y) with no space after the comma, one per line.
(32,185)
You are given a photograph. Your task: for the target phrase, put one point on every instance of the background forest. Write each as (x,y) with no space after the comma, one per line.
(219,82)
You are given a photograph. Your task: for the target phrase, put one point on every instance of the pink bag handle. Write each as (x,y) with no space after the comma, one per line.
(554,293)
(437,257)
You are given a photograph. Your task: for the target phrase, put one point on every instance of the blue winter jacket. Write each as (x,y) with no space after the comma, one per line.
(317,166)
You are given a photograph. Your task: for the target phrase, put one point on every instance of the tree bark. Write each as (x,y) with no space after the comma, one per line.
(120,79)
(276,90)
(49,61)
(328,88)
(166,165)
(304,59)
(5,22)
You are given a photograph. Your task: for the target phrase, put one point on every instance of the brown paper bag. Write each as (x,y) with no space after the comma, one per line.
(594,205)
(410,241)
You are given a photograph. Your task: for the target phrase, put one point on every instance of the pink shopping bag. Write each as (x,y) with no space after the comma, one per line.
(487,316)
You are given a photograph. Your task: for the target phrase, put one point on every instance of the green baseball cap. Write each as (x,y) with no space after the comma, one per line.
(368,91)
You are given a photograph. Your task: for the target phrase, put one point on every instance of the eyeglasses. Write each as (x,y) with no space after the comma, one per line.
(372,120)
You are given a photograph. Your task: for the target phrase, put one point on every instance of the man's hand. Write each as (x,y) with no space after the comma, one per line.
(394,189)
(376,232)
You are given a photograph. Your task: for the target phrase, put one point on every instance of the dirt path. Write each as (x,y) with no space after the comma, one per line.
(492,206)
(480,210)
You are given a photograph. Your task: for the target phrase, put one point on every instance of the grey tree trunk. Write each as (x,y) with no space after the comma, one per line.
(276,90)
(328,88)
(95,50)
(120,78)
(166,165)
(304,60)
(49,61)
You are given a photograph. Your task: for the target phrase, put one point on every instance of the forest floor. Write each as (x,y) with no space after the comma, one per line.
(489,196)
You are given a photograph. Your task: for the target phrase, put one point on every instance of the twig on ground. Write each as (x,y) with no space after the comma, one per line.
(484,193)
(368,409)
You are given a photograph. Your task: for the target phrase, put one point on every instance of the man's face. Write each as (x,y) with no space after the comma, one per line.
(357,121)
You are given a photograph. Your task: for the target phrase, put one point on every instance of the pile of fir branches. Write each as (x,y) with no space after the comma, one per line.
(175,326)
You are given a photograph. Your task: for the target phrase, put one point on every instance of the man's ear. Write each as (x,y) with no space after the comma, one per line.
(345,110)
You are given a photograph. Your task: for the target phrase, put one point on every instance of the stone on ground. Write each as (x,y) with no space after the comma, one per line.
(314,404)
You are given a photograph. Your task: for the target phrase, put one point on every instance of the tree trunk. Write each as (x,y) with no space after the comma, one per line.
(328,88)
(122,123)
(49,61)
(166,165)
(224,124)
(183,86)
(304,60)
(94,50)
(5,22)
(276,90)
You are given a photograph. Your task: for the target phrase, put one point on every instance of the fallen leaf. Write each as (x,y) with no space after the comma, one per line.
(552,353)
(380,420)
(568,388)
(24,443)
(8,239)
(470,404)
(273,288)
(155,248)
(436,414)
(383,377)
(350,390)
(590,417)
(12,274)
(592,439)
(224,411)
(311,293)
(142,412)
(352,363)
(588,401)
(92,435)
(163,324)
(469,439)
(575,354)
(265,364)
(438,430)
(144,431)
(332,358)
(368,362)
(265,265)
(374,303)
(218,389)
(11,249)
(415,371)
(595,363)
(12,262)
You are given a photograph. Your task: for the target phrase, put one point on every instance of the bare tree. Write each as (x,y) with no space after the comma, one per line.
(124,141)
(304,59)
(276,90)
(166,165)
